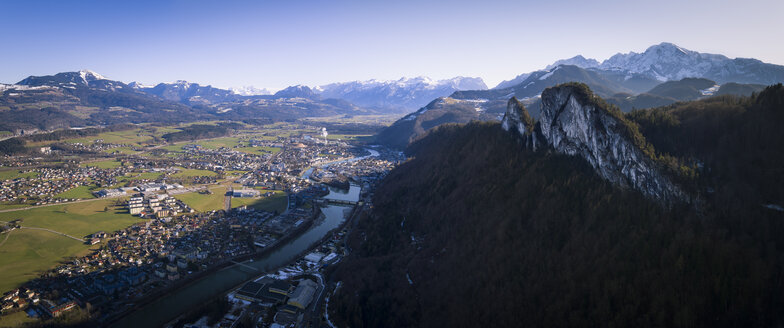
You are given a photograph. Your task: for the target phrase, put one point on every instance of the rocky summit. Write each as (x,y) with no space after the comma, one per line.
(575,122)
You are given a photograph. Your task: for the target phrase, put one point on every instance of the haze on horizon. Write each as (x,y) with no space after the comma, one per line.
(274,44)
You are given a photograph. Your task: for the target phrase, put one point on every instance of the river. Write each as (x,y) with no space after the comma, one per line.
(167,308)
(373,153)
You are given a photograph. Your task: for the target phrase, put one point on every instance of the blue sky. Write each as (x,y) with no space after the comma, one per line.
(274,44)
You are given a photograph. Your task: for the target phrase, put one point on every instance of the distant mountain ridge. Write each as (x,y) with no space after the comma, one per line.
(667,62)
(86,98)
(630,80)
(662,75)
(250,91)
(187,93)
(405,94)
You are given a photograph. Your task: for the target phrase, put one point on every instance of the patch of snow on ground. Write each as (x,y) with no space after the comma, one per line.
(326,305)
(20,87)
(775,207)
(283,274)
(710,91)
(237,300)
(416,114)
(329,257)
(549,74)
(201,323)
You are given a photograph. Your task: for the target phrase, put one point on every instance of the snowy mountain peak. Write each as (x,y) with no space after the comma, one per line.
(88,75)
(249,90)
(69,80)
(296,91)
(669,62)
(138,86)
(666,47)
(578,61)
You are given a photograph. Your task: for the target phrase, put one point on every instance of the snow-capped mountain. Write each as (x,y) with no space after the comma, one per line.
(74,80)
(669,62)
(515,81)
(250,90)
(186,92)
(578,60)
(405,93)
(296,91)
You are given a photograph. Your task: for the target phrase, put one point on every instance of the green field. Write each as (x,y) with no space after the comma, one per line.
(121,150)
(110,164)
(7,205)
(14,174)
(145,175)
(75,219)
(385,119)
(82,192)
(16,319)
(204,203)
(135,136)
(186,173)
(27,252)
(276,202)
(234,172)
(351,137)
(227,142)
(177,148)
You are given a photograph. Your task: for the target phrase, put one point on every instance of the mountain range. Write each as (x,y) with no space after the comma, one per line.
(84,98)
(667,62)
(664,74)
(403,95)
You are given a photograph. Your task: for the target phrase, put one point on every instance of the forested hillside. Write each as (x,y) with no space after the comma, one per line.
(475,230)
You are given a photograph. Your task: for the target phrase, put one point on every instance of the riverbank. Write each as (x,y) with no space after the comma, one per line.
(169,306)
(195,277)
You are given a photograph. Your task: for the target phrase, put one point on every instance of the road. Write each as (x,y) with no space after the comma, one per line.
(55,232)
(227,202)
(7,234)
(48,230)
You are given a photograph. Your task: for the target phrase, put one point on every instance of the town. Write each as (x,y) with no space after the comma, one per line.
(196,207)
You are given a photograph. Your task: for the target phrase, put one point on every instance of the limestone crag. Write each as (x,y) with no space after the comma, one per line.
(570,123)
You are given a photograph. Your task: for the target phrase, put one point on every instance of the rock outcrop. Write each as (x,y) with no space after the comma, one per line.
(573,122)
(517,119)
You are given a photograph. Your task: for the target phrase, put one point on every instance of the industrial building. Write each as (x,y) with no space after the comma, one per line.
(303,295)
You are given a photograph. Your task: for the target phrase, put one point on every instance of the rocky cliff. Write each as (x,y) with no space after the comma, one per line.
(574,122)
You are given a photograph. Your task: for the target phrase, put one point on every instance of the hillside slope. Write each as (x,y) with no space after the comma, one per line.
(476,230)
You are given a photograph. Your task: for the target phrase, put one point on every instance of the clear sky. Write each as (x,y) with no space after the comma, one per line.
(274,44)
